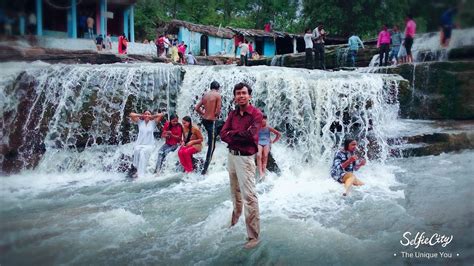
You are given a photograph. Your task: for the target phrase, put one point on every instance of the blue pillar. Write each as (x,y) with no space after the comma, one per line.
(126,15)
(132,24)
(39,17)
(69,23)
(74,19)
(103,17)
(22,25)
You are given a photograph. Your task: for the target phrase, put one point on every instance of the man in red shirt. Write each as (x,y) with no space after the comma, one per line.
(240,132)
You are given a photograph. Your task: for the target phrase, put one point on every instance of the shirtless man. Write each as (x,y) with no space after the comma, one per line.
(210,108)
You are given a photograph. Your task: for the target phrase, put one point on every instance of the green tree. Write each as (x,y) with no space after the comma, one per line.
(365,17)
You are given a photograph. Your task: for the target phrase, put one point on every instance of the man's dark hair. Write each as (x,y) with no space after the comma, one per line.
(241,85)
(215,85)
(347,142)
(307,29)
(265,116)
(410,16)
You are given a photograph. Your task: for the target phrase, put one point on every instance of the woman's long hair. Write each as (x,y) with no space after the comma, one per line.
(190,132)
(347,142)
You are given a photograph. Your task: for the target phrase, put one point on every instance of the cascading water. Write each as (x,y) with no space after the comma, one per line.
(75,207)
(313,109)
(71,107)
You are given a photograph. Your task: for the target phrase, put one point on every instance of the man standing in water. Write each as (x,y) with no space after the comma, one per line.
(240,132)
(210,108)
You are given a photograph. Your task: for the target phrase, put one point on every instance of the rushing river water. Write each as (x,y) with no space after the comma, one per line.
(76,207)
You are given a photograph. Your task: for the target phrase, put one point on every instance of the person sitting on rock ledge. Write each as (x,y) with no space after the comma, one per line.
(145,141)
(345,163)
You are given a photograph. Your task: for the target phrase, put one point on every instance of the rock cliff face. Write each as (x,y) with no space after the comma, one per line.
(438,90)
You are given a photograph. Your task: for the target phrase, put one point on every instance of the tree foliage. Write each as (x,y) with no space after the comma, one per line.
(341,17)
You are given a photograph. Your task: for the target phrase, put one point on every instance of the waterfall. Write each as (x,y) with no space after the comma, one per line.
(59,109)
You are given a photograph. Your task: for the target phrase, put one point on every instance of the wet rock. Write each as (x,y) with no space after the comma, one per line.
(13,53)
(453,136)
(462,53)
(335,57)
(438,90)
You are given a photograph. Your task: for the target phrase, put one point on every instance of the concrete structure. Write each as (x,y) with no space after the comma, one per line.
(219,40)
(110,16)
(272,43)
(201,38)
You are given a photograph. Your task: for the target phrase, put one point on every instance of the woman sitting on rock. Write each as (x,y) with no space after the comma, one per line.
(345,163)
(192,144)
(173,135)
(145,141)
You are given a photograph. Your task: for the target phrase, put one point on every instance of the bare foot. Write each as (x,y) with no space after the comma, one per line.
(251,243)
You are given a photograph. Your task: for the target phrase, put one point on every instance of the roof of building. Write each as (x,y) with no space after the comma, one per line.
(262,33)
(206,29)
(223,32)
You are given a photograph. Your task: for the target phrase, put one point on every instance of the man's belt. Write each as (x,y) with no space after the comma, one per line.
(239,153)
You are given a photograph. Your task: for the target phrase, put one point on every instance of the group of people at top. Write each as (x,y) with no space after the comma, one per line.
(106,44)
(246,133)
(401,43)
(176,50)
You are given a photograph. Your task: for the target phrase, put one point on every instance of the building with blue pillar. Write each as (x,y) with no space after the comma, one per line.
(70,20)
(272,43)
(219,40)
(201,38)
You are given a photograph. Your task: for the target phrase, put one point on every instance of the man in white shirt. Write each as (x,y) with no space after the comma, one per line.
(308,41)
(244,50)
(167,44)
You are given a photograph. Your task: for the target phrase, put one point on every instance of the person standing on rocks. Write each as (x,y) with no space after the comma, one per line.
(99,41)
(240,132)
(410,31)
(90,27)
(396,37)
(209,108)
(354,43)
(244,50)
(308,41)
(383,43)
(318,36)
(264,145)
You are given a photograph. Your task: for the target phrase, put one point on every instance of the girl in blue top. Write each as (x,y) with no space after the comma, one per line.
(345,163)
(264,143)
